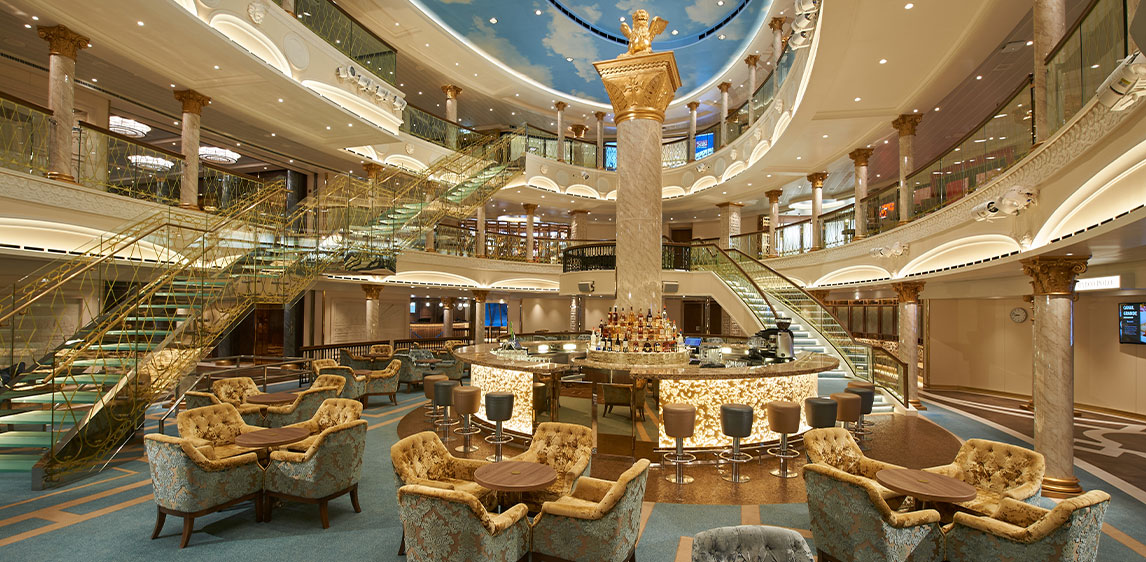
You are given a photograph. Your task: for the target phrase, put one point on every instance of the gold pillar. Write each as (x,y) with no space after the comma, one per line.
(777,27)
(1049,18)
(692,107)
(452,92)
(63,45)
(908,293)
(193,103)
(479,315)
(560,107)
(906,124)
(724,87)
(448,316)
(860,157)
(530,210)
(774,222)
(817,181)
(578,130)
(751,61)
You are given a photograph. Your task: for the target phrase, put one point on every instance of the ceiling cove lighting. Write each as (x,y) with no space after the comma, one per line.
(127,127)
(218,155)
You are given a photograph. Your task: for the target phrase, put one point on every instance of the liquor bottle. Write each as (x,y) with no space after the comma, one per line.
(649,315)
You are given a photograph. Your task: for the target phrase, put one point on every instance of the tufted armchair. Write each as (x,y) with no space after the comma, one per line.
(353,388)
(631,396)
(306,403)
(599,522)
(1020,531)
(381,349)
(750,543)
(190,485)
(997,471)
(442,524)
(355,362)
(330,467)
(332,412)
(407,373)
(231,391)
(212,430)
(568,449)
(422,459)
(449,366)
(383,382)
(835,447)
(853,523)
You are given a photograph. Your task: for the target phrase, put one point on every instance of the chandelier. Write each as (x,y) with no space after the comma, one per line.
(127,127)
(150,163)
(218,155)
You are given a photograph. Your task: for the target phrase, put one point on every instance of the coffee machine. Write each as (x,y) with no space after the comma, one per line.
(779,342)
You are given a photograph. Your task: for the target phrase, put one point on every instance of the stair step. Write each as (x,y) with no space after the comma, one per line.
(104,362)
(18,463)
(193,283)
(26,439)
(36,417)
(73,396)
(170,306)
(138,332)
(128,346)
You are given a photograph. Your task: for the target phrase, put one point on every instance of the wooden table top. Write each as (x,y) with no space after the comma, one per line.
(515,476)
(926,486)
(272,437)
(271,398)
(430,361)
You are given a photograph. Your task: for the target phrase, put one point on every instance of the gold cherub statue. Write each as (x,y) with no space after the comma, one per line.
(642,33)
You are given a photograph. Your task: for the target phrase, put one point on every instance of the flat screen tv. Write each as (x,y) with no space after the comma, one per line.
(1132,322)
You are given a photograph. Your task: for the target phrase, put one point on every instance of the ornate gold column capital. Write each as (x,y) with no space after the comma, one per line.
(724,87)
(373,171)
(452,92)
(752,60)
(774,195)
(777,23)
(640,86)
(575,212)
(600,115)
(906,123)
(62,41)
(193,102)
(578,130)
(692,105)
(819,294)
(1054,275)
(817,179)
(860,156)
(908,291)
(372,291)
(560,106)
(530,208)
(480,295)
(449,301)
(728,204)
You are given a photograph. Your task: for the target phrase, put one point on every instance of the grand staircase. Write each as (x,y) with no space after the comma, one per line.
(90,341)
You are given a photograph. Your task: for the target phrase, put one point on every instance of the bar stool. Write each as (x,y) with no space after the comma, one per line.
(735,422)
(848,407)
(444,398)
(680,422)
(428,387)
(466,402)
(867,396)
(498,408)
(783,418)
(820,411)
(864,384)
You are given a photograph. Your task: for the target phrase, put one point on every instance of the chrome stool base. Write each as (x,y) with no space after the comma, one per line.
(734,458)
(497,440)
(678,460)
(466,430)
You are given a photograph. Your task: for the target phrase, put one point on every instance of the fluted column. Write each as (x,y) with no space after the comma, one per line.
(723,87)
(751,61)
(860,157)
(479,232)
(577,224)
(530,209)
(906,125)
(448,316)
(908,293)
(63,45)
(1053,279)
(640,88)
(817,181)
(729,222)
(1049,25)
(373,312)
(774,222)
(452,92)
(560,107)
(193,103)
(479,315)
(777,27)
(692,107)
(600,115)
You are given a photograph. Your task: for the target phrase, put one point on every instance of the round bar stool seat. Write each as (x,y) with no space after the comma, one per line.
(820,411)
(428,388)
(783,418)
(498,409)
(848,408)
(680,422)
(444,398)
(467,399)
(867,397)
(735,422)
(864,384)
(861,384)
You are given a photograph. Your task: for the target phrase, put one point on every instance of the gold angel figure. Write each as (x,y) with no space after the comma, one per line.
(642,33)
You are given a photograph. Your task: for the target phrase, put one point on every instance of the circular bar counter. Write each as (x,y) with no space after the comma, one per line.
(491,373)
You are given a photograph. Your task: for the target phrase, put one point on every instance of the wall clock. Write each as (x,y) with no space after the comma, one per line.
(1019,315)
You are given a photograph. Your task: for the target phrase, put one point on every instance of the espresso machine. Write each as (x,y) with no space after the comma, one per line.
(777,343)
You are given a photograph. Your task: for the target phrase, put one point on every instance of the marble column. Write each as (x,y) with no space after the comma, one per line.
(578,130)
(906,124)
(452,92)
(600,115)
(63,45)
(640,88)
(577,224)
(479,232)
(860,157)
(908,293)
(430,246)
(479,315)
(193,103)
(777,27)
(560,107)
(373,312)
(724,87)
(530,210)
(774,222)
(729,222)
(817,181)
(692,107)
(1052,280)
(288,6)
(1049,26)
(448,304)
(751,61)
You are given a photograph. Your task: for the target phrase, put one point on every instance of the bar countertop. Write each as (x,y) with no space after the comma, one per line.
(482,354)
(804,364)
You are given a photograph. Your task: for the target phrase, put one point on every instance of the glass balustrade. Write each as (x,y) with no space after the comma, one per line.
(1081,62)
(430,127)
(344,33)
(108,161)
(754,244)
(455,241)
(219,189)
(838,227)
(674,154)
(24,130)
(795,238)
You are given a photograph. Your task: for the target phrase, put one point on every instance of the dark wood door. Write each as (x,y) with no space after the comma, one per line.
(715,321)
(693,317)
(681,235)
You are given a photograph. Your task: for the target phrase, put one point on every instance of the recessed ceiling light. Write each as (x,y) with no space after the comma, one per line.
(799,158)
(35,18)
(908,6)
(216,67)
(427,44)
(569,59)
(492,20)
(396,24)
(937,108)
(328,127)
(915,111)
(537,12)
(1029,43)
(139,23)
(175,122)
(719,2)
(419,92)
(622,18)
(979,77)
(674,32)
(882,61)
(95,79)
(272,134)
(857,99)
(724,193)
(721,36)
(280,100)
(27,26)
(825,136)
(350,124)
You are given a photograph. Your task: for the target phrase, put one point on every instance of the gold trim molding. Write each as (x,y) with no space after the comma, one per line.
(640,86)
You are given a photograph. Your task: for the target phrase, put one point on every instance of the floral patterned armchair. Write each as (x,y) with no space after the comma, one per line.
(750,543)
(568,449)
(835,447)
(600,522)
(381,349)
(353,388)
(442,524)
(1020,531)
(997,471)
(228,391)
(355,362)
(853,523)
(332,412)
(306,403)
(631,396)
(212,430)
(382,382)
(422,459)
(190,485)
(331,467)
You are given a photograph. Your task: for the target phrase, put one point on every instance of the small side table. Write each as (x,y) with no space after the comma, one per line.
(271,399)
(927,487)
(273,437)
(515,476)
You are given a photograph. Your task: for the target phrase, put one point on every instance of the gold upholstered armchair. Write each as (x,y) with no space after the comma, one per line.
(382,382)
(229,391)
(568,449)
(354,386)
(332,412)
(329,468)
(449,525)
(422,459)
(599,522)
(1020,531)
(306,403)
(631,396)
(212,430)
(382,349)
(997,471)
(835,447)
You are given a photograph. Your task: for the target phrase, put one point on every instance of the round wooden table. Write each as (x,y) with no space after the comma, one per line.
(427,361)
(515,476)
(926,486)
(271,398)
(272,437)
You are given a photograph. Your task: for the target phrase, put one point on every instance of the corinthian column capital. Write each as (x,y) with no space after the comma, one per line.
(193,102)
(1054,275)
(640,86)
(906,124)
(860,156)
(62,41)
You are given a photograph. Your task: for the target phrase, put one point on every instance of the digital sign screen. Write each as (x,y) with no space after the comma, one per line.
(705,145)
(1132,322)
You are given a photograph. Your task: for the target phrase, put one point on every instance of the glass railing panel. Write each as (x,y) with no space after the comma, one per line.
(116,164)
(24,137)
(507,247)
(341,31)
(838,227)
(549,250)
(1084,60)
(220,189)
(754,244)
(674,154)
(454,241)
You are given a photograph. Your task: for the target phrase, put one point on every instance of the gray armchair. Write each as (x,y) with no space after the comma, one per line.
(353,361)
(750,543)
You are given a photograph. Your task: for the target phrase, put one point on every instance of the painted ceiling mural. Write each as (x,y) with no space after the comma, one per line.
(555,42)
